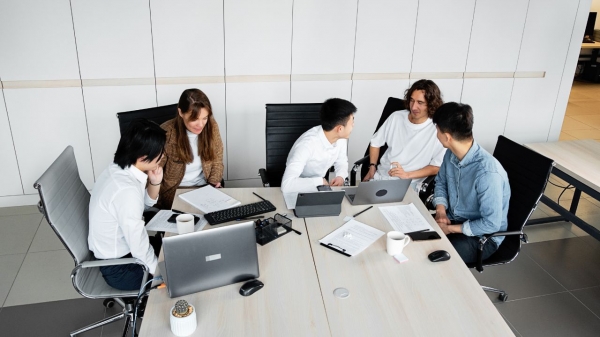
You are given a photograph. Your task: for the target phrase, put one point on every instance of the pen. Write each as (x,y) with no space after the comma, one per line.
(250,218)
(361,212)
(291,229)
(422,230)
(259,196)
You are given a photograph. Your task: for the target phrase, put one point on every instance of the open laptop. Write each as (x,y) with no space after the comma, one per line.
(378,191)
(314,204)
(209,259)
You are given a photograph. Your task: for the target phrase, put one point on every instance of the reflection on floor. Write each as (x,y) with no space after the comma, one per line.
(582,119)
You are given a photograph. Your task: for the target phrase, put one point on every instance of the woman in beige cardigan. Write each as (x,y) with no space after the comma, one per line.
(194,149)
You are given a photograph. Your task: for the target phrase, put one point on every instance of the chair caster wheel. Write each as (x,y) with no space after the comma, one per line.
(108,303)
(503,297)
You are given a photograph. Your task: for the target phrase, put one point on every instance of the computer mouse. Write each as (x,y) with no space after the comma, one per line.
(251,287)
(439,256)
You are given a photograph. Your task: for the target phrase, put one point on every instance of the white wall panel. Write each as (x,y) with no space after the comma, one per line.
(113,38)
(370,98)
(246,124)
(490,51)
(319,91)
(102,105)
(36,41)
(324,35)
(385,36)
(442,36)
(10,180)
(41,131)
(258,37)
(169,94)
(188,37)
(546,37)
(489,99)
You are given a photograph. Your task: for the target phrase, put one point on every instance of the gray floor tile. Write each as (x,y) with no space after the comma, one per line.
(19,210)
(572,262)
(546,232)
(574,229)
(593,201)
(546,209)
(51,319)
(17,232)
(552,315)
(590,297)
(43,277)
(9,265)
(116,329)
(553,192)
(521,278)
(584,207)
(45,239)
(538,213)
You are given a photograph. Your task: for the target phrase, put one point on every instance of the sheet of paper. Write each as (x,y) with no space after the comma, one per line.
(159,222)
(352,238)
(290,200)
(209,199)
(405,218)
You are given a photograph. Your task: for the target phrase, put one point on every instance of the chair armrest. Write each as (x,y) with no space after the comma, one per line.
(112,262)
(263,176)
(484,239)
(357,164)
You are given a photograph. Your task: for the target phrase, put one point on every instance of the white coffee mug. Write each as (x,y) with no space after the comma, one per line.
(396,241)
(185,223)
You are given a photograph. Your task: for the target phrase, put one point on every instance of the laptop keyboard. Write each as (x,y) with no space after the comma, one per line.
(239,212)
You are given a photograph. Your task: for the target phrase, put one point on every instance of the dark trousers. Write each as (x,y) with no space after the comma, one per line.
(467,247)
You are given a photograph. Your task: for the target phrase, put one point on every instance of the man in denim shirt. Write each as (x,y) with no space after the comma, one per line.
(472,191)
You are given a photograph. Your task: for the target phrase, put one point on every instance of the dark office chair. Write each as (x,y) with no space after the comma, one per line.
(426,192)
(528,173)
(158,115)
(284,124)
(64,202)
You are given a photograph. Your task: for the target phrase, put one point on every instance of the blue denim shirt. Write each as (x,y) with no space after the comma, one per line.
(475,191)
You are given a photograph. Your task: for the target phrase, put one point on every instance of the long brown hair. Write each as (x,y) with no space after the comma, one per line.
(433,96)
(192,101)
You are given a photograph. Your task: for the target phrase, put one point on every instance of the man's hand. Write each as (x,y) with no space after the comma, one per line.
(370,174)
(398,171)
(325,182)
(155,176)
(338,181)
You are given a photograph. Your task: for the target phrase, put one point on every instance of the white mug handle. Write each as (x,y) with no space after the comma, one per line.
(406,241)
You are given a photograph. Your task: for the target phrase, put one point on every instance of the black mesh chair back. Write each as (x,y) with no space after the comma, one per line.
(284,124)
(158,115)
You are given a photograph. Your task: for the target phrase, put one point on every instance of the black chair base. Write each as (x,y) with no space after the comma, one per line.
(503,296)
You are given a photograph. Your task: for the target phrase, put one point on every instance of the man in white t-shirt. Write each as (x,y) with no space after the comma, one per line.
(414,152)
(319,148)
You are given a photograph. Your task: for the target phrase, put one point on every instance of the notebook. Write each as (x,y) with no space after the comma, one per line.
(209,199)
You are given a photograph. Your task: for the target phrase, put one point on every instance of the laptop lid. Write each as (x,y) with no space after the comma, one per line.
(378,191)
(319,204)
(210,258)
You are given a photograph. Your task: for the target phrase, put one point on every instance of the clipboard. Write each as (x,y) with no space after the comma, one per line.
(336,249)
(351,238)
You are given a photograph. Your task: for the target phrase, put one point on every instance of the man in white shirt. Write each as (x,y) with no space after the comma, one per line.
(319,148)
(414,152)
(118,201)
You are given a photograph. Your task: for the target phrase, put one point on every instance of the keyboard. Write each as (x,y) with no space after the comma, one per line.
(239,212)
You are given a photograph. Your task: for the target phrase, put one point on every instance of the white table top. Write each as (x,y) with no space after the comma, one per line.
(417,297)
(578,158)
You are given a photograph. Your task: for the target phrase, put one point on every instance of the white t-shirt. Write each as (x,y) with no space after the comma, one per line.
(310,158)
(414,146)
(194,176)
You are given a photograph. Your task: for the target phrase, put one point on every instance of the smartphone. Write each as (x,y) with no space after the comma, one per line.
(323,188)
(173,218)
(423,236)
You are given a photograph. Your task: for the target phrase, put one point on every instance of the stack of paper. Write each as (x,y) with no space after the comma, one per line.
(209,199)
(351,238)
(405,218)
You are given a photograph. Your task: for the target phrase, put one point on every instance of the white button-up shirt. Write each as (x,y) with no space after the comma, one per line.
(117,204)
(310,158)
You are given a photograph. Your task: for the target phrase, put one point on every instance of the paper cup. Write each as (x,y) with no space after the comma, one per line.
(185,223)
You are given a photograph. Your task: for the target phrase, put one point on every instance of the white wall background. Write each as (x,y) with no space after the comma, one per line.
(68,66)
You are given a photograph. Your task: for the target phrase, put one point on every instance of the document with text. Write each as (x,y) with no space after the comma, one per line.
(159,222)
(405,218)
(209,199)
(290,199)
(351,238)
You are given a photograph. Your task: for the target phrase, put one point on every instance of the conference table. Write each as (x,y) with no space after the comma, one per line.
(386,298)
(578,163)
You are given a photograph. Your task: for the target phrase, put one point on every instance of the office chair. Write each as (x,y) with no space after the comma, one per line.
(427,187)
(158,115)
(284,124)
(64,202)
(528,173)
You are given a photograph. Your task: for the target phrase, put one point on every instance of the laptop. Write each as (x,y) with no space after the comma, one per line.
(315,204)
(378,191)
(209,259)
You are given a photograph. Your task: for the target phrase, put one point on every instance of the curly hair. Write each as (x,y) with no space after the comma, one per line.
(433,96)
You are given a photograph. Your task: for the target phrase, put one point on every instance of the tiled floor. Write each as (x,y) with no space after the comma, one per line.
(553,286)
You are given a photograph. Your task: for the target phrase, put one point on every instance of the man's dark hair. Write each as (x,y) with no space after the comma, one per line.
(334,112)
(143,138)
(455,119)
(433,96)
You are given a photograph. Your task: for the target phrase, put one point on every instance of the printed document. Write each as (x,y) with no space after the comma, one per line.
(405,218)
(352,238)
(290,199)
(209,199)
(159,222)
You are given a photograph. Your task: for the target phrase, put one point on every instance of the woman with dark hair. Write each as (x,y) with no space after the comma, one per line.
(194,150)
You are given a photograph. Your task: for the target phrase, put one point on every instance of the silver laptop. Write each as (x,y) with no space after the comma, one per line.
(209,259)
(378,191)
